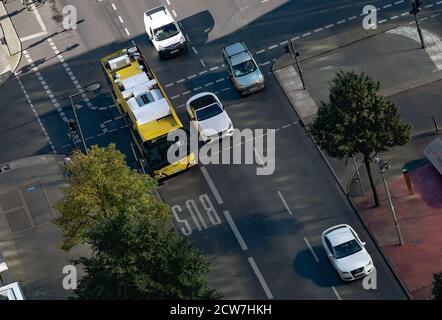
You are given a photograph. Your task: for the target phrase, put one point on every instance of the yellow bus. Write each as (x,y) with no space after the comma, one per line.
(146,108)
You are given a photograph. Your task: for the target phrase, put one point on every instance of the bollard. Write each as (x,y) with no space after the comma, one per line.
(408,181)
(435,125)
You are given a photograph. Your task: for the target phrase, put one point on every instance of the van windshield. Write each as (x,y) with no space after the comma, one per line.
(165,32)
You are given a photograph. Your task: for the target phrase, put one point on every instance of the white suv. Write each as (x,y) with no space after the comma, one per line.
(164,32)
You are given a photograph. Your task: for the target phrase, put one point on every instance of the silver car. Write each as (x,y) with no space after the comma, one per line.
(243,69)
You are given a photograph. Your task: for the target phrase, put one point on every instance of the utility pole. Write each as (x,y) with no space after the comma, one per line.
(383,167)
(290,48)
(415,9)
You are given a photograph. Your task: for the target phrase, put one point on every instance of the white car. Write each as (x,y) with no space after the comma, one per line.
(164,32)
(346,252)
(210,118)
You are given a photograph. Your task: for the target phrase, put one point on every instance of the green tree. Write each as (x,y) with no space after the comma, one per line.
(134,259)
(357,120)
(100,186)
(437,286)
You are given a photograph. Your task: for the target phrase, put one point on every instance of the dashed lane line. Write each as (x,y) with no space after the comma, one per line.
(212,186)
(311,249)
(285,203)
(261,278)
(235,230)
(34,111)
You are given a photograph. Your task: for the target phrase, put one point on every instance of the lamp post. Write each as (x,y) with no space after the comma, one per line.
(90,88)
(383,167)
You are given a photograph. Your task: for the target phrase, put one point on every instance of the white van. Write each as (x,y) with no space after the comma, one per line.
(164,32)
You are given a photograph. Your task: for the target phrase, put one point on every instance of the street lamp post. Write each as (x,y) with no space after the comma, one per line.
(90,88)
(383,167)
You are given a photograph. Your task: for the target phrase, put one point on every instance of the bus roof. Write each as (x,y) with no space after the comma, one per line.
(140,94)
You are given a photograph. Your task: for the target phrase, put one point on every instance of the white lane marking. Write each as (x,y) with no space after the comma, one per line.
(121,19)
(341,21)
(34,111)
(168,85)
(260,278)
(202,72)
(311,249)
(284,43)
(219,80)
(194,50)
(318,30)
(336,293)
(429,6)
(382,21)
(33,36)
(225,89)
(265,63)
(186,93)
(168,2)
(212,186)
(197,88)
(181,80)
(306,34)
(208,84)
(174,13)
(394,17)
(203,63)
(192,76)
(273,47)
(264,1)
(285,203)
(352,18)
(175,97)
(114,7)
(39,19)
(214,68)
(387,6)
(399,2)
(235,231)
(260,51)
(329,26)
(187,37)
(127,31)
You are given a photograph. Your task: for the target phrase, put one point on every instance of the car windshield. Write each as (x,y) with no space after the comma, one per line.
(346,249)
(244,68)
(165,32)
(157,152)
(208,112)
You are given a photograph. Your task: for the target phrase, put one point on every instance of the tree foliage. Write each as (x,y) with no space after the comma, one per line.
(437,286)
(357,120)
(100,186)
(134,259)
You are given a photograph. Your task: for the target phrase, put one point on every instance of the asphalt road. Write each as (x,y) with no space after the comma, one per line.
(256,229)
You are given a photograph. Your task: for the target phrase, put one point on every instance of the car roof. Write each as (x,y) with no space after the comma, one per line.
(235,48)
(339,234)
(240,58)
(203,101)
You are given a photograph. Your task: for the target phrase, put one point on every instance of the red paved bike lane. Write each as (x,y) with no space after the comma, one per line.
(420,220)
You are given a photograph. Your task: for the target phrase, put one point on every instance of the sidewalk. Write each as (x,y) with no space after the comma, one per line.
(11,51)
(29,188)
(387,57)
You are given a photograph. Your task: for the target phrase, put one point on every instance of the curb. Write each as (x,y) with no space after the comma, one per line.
(350,201)
(14,68)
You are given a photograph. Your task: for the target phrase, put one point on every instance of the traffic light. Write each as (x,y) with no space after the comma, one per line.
(416,6)
(72,125)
